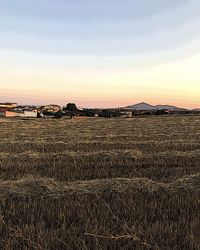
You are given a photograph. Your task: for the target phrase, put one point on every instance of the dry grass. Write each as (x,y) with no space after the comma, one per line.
(100,183)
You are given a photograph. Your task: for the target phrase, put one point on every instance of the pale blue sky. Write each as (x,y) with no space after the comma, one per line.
(62,48)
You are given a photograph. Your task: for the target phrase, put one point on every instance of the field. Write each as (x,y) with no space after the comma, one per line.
(100,183)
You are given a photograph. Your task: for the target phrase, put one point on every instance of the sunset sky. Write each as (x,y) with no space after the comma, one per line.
(106,53)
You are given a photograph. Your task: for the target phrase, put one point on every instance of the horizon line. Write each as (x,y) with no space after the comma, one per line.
(97,107)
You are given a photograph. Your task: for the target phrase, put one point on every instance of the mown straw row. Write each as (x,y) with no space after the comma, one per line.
(32,186)
(72,166)
(100,183)
(100,214)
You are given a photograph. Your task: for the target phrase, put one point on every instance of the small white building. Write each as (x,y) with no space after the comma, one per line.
(32,113)
(126,114)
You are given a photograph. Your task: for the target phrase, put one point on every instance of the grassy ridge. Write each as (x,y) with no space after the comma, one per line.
(100,184)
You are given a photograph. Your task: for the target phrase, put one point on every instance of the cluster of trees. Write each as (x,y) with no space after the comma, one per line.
(71,110)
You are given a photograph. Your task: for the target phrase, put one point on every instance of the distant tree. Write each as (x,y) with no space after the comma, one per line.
(58,114)
(71,109)
(39,115)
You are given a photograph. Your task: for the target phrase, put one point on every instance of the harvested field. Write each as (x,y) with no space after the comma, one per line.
(100,183)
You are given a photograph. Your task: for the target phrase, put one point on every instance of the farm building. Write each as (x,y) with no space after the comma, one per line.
(32,113)
(126,114)
(6,113)
(51,108)
(7,105)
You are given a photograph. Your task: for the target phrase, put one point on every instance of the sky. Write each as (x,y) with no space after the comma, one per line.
(100,53)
